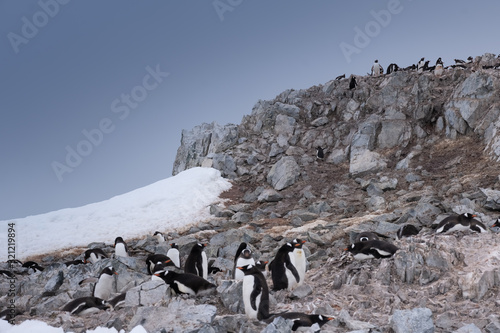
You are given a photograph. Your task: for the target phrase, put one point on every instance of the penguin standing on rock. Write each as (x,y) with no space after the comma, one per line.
(121,249)
(93,255)
(104,286)
(255,293)
(186,283)
(173,254)
(197,262)
(283,272)
(298,258)
(85,305)
(352,82)
(464,221)
(372,249)
(320,153)
(243,257)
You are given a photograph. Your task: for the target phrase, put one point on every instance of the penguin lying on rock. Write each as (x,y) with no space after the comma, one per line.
(460,222)
(303,321)
(187,283)
(372,249)
(85,305)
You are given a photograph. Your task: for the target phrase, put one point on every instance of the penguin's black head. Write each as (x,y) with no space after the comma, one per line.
(119,240)
(321,320)
(469,216)
(174,246)
(109,271)
(497,223)
(297,243)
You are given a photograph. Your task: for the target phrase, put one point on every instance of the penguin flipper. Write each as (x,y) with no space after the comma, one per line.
(257,290)
(292,269)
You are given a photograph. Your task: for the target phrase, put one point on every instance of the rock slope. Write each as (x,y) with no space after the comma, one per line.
(404,148)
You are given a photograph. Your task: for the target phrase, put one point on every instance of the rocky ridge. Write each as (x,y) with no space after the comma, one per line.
(402,148)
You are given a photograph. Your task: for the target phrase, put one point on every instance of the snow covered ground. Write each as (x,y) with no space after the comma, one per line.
(165,205)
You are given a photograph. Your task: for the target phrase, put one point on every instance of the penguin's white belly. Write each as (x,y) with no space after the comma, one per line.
(120,250)
(456,227)
(300,264)
(248,282)
(184,289)
(103,287)
(238,274)
(173,254)
(292,282)
(204,264)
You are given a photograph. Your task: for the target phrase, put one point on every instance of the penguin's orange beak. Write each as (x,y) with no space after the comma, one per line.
(240,267)
(157,274)
(166,262)
(116,273)
(303,241)
(346,249)
(330,318)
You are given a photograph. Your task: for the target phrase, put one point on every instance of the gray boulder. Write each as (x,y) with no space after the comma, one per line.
(284,173)
(418,320)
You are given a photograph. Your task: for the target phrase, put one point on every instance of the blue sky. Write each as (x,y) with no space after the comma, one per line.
(116,81)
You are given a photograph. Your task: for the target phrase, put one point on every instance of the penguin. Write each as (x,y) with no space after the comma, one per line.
(85,305)
(470,60)
(74,262)
(320,153)
(187,283)
(439,61)
(121,249)
(33,265)
(352,82)
(365,236)
(304,321)
(118,301)
(459,61)
(411,67)
(340,77)
(283,273)
(104,285)
(407,230)
(420,65)
(464,221)
(377,69)
(243,257)
(93,255)
(196,262)
(155,259)
(298,258)
(392,68)
(372,249)
(496,224)
(255,293)
(173,254)
(159,236)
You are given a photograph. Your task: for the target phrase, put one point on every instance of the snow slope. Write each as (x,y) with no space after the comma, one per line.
(167,204)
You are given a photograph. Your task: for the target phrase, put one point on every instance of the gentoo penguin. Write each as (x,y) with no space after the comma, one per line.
(85,305)
(173,254)
(320,153)
(159,236)
(372,249)
(283,272)
(439,61)
(377,69)
(74,262)
(187,283)
(93,255)
(196,262)
(156,259)
(33,265)
(365,236)
(118,301)
(304,321)
(255,293)
(298,258)
(352,82)
(243,257)
(439,70)
(407,230)
(496,224)
(459,61)
(121,249)
(340,77)
(420,65)
(104,285)
(464,221)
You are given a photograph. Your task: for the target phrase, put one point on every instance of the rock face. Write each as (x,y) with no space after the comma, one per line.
(405,148)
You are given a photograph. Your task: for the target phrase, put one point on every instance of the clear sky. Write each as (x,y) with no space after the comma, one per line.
(94,94)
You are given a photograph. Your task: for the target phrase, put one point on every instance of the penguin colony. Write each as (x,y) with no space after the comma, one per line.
(287,271)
